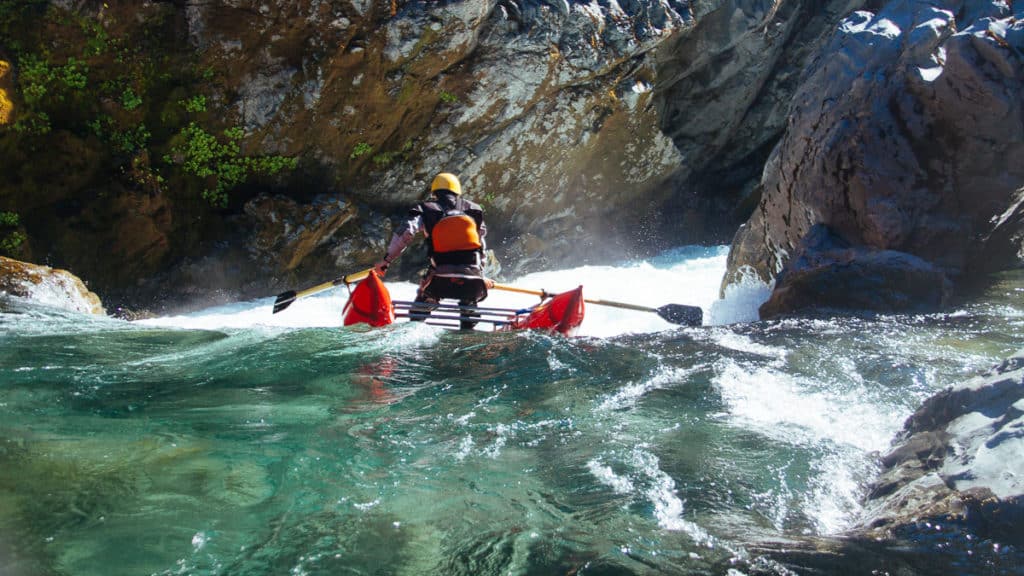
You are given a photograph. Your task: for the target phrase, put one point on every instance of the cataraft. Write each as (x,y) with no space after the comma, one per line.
(370,303)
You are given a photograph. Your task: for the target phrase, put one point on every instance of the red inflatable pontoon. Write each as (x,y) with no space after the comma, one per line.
(561,313)
(369,303)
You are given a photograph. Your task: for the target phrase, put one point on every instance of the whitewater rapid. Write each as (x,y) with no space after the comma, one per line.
(688,275)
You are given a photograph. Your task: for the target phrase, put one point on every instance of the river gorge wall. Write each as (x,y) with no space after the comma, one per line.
(587,130)
(180,153)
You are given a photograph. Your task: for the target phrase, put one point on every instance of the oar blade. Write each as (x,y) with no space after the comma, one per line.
(682,314)
(284,300)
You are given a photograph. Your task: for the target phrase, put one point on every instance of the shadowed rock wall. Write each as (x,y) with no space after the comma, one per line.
(906,136)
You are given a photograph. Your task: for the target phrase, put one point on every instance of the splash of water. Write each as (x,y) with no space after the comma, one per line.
(688,275)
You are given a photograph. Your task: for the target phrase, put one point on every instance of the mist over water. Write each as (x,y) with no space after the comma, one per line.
(236,441)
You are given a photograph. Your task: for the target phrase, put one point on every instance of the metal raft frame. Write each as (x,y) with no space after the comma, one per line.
(450,315)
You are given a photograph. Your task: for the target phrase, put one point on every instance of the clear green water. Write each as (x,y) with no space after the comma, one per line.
(129,450)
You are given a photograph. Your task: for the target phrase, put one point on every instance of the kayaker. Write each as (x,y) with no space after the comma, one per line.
(455,230)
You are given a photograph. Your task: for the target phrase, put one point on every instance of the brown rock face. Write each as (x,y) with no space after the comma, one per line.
(906,136)
(44,285)
(286,232)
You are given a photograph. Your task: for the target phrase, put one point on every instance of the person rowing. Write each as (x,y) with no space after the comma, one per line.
(455,229)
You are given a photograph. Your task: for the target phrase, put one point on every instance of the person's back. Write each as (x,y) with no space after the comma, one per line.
(455,230)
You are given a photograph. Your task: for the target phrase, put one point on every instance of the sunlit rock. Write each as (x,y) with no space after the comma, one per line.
(906,136)
(6,106)
(958,462)
(45,285)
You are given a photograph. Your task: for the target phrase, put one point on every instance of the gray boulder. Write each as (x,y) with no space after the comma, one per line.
(959,460)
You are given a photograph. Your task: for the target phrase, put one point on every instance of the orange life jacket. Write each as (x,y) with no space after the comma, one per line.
(454,232)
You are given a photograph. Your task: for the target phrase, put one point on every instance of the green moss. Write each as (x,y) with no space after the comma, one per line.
(130,100)
(360,149)
(11,238)
(195,104)
(383,159)
(218,161)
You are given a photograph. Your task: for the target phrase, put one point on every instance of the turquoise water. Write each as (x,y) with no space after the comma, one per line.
(165,448)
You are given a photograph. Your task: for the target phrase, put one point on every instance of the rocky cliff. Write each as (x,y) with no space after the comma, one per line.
(587,130)
(901,168)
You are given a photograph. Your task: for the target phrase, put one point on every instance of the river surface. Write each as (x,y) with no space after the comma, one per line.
(234,441)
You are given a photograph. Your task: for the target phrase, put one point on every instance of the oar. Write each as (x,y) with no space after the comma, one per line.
(674,313)
(285,299)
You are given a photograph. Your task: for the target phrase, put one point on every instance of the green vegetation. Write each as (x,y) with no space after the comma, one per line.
(448,97)
(10,240)
(195,104)
(115,117)
(130,100)
(96,37)
(360,149)
(44,86)
(203,155)
(120,96)
(385,158)
(127,140)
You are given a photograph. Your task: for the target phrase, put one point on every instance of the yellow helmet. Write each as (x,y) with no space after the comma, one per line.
(446,181)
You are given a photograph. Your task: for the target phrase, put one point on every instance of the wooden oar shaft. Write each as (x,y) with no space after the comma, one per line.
(508,288)
(285,299)
(348,279)
(597,301)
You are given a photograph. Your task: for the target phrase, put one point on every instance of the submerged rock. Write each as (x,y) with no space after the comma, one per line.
(905,136)
(45,285)
(958,461)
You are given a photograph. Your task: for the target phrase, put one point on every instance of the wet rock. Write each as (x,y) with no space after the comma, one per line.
(905,135)
(827,273)
(45,285)
(957,462)
(722,93)
(285,232)
(535,105)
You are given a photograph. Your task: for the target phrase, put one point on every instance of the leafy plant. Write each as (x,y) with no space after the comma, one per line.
(448,97)
(12,240)
(384,158)
(194,104)
(37,124)
(203,155)
(360,149)
(130,100)
(128,140)
(10,243)
(96,37)
(43,86)
(132,139)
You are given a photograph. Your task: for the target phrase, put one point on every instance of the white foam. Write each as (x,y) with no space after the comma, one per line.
(784,407)
(741,301)
(688,275)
